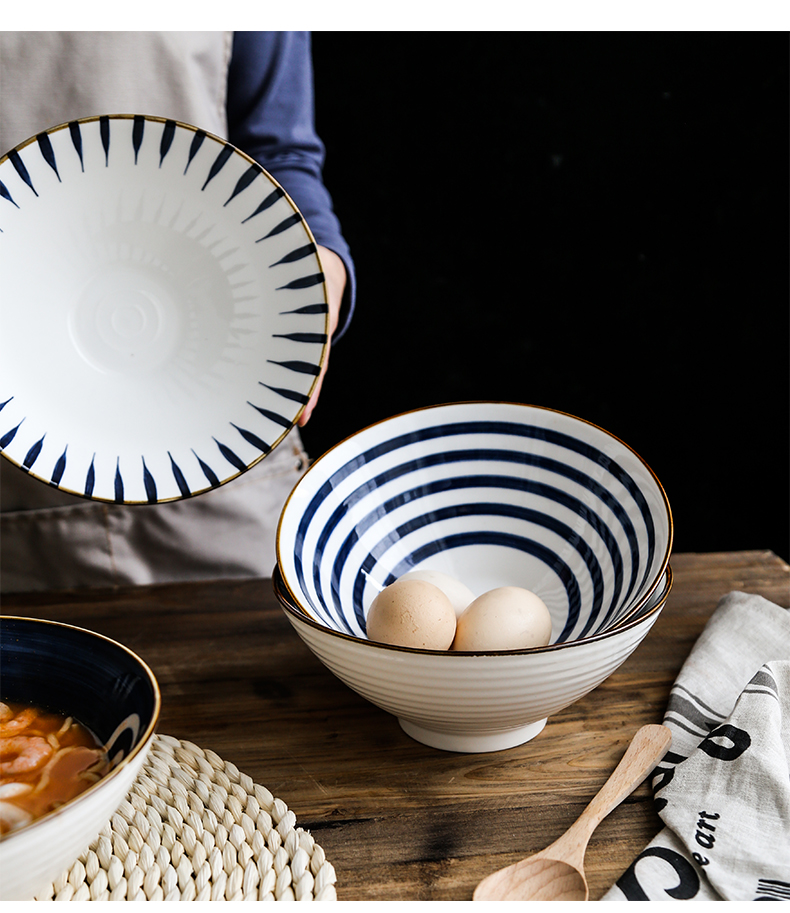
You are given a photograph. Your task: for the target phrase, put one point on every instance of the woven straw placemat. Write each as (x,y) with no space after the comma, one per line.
(194,828)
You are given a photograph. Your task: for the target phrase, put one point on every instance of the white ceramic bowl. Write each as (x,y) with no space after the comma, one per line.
(468,702)
(111,691)
(164,312)
(493,494)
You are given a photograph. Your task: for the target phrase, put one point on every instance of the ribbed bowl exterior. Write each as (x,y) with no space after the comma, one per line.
(474,692)
(468,694)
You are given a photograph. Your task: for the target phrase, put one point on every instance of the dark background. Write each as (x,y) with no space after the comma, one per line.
(593,222)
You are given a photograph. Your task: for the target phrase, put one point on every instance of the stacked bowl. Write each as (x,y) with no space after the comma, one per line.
(492,494)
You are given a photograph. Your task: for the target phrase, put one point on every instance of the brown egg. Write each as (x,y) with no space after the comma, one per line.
(412,613)
(507,618)
(458,593)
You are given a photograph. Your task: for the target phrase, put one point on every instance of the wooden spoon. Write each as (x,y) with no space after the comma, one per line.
(557,873)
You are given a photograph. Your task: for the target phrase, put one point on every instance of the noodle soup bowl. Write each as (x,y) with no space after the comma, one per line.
(109,690)
(492,494)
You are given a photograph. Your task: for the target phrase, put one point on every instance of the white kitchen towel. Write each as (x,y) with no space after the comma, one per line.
(723,789)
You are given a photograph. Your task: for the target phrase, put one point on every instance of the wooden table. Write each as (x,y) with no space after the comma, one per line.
(398,820)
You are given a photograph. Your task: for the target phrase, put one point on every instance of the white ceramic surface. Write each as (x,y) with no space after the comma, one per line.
(465,702)
(110,690)
(163,316)
(494,494)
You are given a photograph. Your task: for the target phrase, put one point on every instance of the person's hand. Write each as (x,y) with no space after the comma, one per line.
(335,277)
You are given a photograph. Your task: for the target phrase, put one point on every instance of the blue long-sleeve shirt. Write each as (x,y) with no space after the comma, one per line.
(270,105)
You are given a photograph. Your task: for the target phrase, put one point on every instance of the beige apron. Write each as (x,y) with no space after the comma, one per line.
(52,540)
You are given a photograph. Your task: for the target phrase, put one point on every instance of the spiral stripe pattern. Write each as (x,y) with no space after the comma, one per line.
(552,498)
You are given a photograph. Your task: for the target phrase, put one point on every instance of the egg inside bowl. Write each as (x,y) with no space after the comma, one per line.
(492,494)
(51,669)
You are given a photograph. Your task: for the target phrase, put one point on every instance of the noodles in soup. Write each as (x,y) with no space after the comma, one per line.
(46,759)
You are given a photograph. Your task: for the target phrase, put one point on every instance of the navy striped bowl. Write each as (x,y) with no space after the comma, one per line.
(493,494)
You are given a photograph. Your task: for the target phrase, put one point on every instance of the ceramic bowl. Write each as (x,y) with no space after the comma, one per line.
(466,702)
(164,310)
(492,494)
(109,690)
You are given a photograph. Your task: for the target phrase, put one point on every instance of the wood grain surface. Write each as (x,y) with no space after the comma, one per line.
(399,820)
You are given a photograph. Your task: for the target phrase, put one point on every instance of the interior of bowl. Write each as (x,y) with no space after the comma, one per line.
(493,494)
(164,310)
(647,608)
(78,673)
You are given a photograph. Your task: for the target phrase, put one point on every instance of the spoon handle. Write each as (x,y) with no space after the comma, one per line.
(647,748)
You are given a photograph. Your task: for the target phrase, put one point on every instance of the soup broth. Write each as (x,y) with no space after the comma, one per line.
(46,759)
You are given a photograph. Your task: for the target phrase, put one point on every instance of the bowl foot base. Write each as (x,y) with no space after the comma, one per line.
(472,742)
